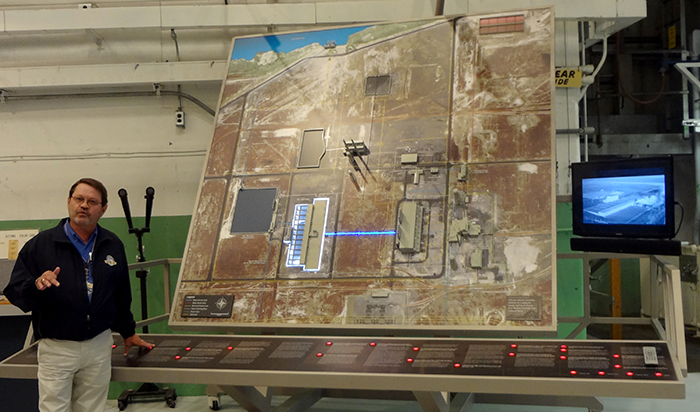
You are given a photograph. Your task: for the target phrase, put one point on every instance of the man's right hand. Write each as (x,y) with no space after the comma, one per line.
(48,279)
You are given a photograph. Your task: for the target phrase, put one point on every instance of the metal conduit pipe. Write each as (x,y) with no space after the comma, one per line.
(155,93)
(440,8)
(579,131)
(696,158)
(695,94)
(584,105)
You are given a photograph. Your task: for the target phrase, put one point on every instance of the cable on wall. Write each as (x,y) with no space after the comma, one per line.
(105,155)
(179,113)
(156,93)
(658,94)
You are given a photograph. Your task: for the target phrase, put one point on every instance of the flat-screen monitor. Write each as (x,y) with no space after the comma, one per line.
(630,198)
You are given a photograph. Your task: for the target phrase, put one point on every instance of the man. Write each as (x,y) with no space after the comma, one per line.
(74,278)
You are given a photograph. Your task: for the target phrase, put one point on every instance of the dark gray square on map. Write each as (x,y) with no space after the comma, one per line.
(254,210)
(378,85)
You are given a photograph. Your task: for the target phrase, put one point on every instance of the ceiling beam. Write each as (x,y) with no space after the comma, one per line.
(337,12)
(609,16)
(107,75)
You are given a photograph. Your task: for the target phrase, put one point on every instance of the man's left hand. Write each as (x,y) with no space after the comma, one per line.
(135,340)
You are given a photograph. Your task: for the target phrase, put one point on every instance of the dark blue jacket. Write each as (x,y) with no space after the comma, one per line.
(64,312)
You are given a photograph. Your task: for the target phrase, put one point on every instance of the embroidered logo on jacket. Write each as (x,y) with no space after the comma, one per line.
(110,260)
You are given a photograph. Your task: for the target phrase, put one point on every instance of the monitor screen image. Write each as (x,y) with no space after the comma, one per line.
(629,198)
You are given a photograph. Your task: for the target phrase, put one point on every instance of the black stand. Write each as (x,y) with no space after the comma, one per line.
(148,392)
(141,273)
(627,245)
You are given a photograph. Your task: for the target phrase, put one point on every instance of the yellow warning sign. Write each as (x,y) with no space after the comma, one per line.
(672,37)
(11,242)
(13,249)
(566,77)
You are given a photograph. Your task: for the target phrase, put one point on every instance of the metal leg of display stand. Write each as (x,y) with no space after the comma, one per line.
(666,302)
(589,402)
(461,402)
(432,401)
(301,402)
(248,397)
(253,400)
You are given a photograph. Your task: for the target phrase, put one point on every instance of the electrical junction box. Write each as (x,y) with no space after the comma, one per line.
(180,119)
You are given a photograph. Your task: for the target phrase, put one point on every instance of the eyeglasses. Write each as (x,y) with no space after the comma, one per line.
(91,202)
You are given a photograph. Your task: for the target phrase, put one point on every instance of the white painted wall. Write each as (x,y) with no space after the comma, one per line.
(133,142)
(566,104)
(124,142)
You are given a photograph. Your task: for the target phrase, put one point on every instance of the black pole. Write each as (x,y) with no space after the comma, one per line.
(125,205)
(142,274)
(150,192)
(148,391)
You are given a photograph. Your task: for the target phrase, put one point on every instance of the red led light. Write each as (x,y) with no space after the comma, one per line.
(615,355)
(562,350)
(329,343)
(564,346)
(416,348)
(188,348)
(457,365)
(513,345)
(409,360)
(114,346)
(601,373)
(230,348)
(318,355)
(573,372)
(562,357)
(372,344)
(617,366)
(178,357)
(630,373)
(511,354)
(658,374)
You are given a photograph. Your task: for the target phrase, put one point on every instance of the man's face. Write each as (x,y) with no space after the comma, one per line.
(85,206)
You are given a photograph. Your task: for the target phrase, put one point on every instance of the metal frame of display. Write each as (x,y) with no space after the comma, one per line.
(435,390)
(666,303)
(253,389)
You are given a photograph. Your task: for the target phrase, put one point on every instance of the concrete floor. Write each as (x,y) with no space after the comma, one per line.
(200,404)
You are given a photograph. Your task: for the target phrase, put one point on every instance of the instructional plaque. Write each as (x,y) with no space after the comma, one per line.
(207,306)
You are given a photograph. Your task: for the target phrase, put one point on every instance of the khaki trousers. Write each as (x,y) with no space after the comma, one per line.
(74,376)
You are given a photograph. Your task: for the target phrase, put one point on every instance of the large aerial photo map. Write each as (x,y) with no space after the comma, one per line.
(395,176)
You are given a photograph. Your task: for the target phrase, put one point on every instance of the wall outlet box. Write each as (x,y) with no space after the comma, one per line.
(180,119)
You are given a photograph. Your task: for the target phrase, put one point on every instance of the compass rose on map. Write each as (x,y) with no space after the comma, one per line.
(221,303)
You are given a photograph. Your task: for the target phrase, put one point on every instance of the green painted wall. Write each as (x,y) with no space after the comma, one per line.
(169,234)
(569,275)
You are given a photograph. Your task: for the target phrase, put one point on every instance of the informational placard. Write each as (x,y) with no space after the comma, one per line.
(11,242)
(524,308)
(207,306)
(600,360)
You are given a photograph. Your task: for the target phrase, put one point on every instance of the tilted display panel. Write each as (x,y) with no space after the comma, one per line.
(394,176)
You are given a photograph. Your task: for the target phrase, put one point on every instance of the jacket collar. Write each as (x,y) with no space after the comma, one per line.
(59,235)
